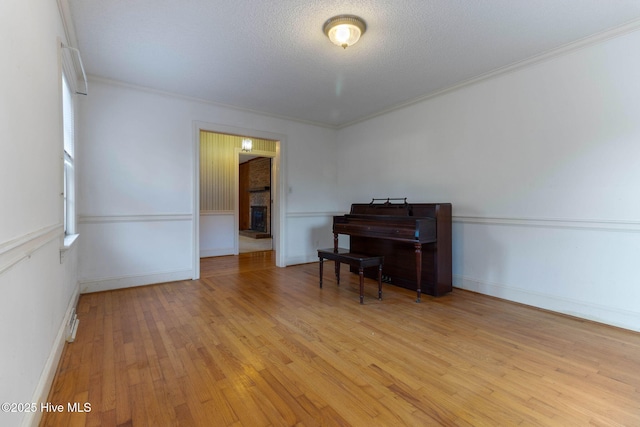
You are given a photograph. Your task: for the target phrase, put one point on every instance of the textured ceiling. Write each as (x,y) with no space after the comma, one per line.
(272,56)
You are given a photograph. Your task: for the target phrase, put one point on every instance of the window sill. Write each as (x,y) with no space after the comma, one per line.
(69,242)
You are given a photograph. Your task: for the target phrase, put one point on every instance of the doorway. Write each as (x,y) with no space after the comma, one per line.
(277,189)
(254,203)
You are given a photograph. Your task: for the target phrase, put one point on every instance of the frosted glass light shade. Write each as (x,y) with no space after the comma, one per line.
(344,30)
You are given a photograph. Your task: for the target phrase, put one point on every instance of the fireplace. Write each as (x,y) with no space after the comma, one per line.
(259,218)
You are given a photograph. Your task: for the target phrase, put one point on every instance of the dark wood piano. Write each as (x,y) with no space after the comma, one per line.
(415,240)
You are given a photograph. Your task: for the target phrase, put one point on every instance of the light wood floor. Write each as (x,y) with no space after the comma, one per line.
(250,344)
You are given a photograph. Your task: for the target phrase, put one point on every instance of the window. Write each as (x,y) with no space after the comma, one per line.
(69,167)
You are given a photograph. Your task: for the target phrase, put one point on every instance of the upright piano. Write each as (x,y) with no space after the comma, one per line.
(415,240)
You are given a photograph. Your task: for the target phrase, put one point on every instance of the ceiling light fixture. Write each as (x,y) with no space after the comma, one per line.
(344,30)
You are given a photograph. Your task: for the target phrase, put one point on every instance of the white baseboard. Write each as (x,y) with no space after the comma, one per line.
(302,259)
(32,419)
(110,283)
(204,253)
(615,317)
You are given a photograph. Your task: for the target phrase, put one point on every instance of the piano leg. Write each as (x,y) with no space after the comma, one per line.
(418,247)
(321,264)
(380,282)
(361,274)
(335,249)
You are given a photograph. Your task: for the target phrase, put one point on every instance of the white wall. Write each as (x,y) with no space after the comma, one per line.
(541,165)
(137,173)
(217,233)
(38,290)
(310,231)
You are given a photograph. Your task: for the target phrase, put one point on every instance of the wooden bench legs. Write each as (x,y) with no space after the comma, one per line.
(341,255)
(361,274)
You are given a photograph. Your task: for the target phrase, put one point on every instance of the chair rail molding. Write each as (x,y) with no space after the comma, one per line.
(102,219)
(15,250)
(605,225)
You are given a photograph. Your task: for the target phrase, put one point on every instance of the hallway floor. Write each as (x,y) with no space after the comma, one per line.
(248,244)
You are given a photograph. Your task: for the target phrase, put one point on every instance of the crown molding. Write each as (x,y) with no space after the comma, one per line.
(588,41)
(132,86)
(582,43)
(67,23)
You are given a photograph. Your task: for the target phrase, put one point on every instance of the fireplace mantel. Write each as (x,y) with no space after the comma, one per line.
(259,189)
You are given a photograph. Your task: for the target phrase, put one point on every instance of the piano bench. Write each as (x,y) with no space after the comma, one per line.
(341,255)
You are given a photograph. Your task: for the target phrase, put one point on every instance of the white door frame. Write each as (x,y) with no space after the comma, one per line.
(278,193)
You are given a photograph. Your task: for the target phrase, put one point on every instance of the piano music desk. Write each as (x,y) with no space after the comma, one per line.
(341,255)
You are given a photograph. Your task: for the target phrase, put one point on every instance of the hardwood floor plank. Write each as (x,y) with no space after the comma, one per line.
(250,344)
